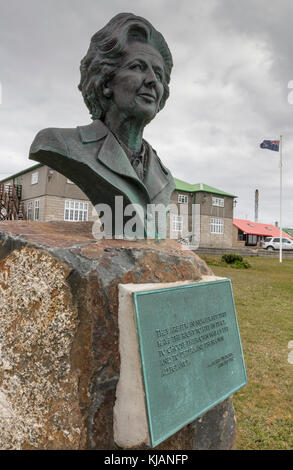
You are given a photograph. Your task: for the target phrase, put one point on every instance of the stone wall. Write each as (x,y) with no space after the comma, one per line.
(215,240)
(54,209)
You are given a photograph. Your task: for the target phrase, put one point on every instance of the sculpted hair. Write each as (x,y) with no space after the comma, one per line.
(104,57)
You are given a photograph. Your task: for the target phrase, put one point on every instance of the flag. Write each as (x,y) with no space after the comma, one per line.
(271,145)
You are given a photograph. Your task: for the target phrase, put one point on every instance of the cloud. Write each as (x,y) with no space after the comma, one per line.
(232,65)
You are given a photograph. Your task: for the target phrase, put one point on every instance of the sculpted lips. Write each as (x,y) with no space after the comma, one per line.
(148,96)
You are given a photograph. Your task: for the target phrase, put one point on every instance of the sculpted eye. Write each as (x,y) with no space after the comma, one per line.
(159,76)
(136,66)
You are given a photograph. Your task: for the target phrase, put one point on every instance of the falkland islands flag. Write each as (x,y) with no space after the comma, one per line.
(271,145)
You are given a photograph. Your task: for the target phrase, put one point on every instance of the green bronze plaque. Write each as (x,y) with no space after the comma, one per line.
(190,351)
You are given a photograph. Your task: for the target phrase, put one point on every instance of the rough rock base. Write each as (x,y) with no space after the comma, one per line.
(59,354)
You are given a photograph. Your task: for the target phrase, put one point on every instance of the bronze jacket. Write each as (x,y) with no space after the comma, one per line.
(92,158)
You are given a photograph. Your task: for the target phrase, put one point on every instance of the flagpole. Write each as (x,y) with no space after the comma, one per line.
(281,183)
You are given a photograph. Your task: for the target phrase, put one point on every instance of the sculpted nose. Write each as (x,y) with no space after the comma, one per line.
(150,78)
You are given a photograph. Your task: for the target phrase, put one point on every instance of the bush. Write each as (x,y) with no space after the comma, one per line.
(240,265)
(231,258)
(235,260)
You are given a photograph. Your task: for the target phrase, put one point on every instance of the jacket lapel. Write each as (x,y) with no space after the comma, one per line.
(114,158)
(111,153)
(156,177)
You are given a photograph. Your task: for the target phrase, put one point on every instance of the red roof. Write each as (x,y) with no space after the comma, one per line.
(255,228)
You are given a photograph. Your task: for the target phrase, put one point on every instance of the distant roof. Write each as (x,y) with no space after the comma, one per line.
(16,175)
(195,188)
(289,231)
(256,228)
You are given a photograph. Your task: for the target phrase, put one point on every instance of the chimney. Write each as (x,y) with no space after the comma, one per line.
(276,224)
(256,206)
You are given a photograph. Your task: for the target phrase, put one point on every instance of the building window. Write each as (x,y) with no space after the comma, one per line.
(252,239)
(217,226)
(218,201)
(241,236)
(76,211)
(29,211)
(37,210)
(183,198)
(35,177)
(177,223)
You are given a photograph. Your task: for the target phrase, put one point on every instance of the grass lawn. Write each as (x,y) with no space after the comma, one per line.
(264,303)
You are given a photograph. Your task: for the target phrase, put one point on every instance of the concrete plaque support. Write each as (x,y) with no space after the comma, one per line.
(180,354)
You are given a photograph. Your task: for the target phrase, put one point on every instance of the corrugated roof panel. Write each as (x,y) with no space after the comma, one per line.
(256,228)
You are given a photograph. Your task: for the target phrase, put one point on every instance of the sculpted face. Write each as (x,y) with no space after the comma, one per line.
(137,88)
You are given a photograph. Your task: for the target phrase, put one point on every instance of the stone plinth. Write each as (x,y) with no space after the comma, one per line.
(59,355)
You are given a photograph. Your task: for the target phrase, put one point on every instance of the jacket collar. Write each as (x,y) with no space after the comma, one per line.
(92,132)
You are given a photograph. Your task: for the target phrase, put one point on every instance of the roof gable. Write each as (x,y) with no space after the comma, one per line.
(16,175)
(256,228)
(195,188)
(289,231)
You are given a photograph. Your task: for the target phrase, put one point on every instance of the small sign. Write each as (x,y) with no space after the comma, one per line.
(190,351)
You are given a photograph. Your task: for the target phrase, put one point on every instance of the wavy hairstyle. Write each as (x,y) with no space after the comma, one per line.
(104,58)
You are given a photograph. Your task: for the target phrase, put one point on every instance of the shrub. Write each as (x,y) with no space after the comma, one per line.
(231,258)
(235,260)
(240,264)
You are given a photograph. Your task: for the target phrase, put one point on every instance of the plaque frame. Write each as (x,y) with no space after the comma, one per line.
(154,438)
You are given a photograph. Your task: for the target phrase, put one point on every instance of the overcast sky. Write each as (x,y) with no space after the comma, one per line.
(233,62)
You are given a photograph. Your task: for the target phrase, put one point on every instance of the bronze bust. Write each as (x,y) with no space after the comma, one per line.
(124,83)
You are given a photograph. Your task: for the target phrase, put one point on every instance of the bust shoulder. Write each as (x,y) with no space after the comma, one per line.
(61,140)
(53,139)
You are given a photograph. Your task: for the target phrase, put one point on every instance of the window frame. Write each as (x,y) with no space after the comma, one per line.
(35,177)
(185,198)
(36,210)
(218,201)
(29,210)
(177,223)
(217,226)
(76,211)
